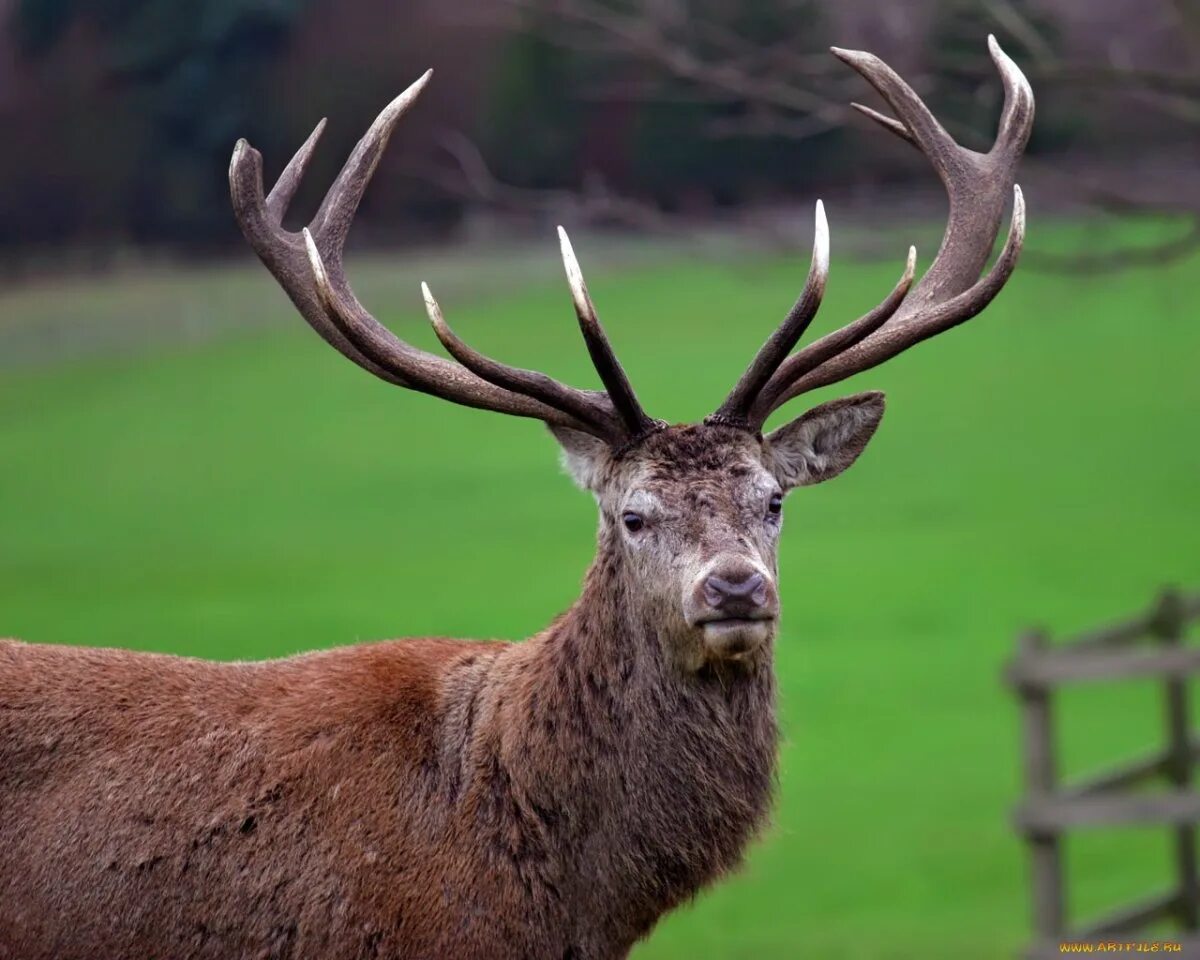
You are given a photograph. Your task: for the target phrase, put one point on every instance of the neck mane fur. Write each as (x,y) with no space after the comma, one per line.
(614,777)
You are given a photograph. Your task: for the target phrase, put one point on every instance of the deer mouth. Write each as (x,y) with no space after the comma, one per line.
(718,624)
(735,638)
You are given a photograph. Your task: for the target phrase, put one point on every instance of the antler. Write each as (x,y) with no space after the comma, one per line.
(308,265)
(951,292)
(772,353)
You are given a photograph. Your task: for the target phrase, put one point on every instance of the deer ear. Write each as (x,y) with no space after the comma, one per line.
(825,441)
(582,454)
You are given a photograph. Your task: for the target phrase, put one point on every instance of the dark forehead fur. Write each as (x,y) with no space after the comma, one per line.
(695,451)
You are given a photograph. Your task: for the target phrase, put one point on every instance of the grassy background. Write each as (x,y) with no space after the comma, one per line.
(249,494)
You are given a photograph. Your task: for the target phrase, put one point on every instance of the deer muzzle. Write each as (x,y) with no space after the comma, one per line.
(734,605)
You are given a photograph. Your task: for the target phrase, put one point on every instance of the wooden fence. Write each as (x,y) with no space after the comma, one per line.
(1150,647)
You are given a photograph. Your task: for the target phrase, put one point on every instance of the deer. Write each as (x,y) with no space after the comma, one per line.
(430,798)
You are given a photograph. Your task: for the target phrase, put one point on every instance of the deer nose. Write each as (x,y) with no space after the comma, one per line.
(738,594)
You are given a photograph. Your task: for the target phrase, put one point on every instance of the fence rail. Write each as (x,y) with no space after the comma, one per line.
(1113,797)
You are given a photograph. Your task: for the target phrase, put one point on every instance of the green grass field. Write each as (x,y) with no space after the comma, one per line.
(252,494)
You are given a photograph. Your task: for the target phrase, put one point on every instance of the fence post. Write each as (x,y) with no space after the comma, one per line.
(1041,777)
(1168,626)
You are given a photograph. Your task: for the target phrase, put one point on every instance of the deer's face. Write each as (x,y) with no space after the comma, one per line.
(695,513)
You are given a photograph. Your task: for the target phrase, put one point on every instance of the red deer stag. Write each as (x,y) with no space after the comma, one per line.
(430,798)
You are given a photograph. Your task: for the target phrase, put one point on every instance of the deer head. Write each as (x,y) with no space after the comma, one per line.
(691,514)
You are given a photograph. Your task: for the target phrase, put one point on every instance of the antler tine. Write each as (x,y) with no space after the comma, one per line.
(331,225)
(336,213)
(279,250)
(417,369)
(915,124)
(280,197)
(308,265)
(585,406)
(620,390)
(282,251)
(951,291)
(1016,120)
(776,393)
(891,340)
(894,126)
(772,353)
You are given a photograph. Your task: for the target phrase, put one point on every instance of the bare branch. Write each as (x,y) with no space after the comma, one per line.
(644,39)
(769,123)
(474,180)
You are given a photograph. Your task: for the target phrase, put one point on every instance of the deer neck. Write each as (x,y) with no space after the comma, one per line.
(654,779)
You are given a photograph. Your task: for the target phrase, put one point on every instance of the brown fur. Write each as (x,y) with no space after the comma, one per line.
(423,798)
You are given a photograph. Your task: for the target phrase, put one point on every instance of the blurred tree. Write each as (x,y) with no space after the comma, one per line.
(713,147)
(189,71)
(531,127)
(646,96)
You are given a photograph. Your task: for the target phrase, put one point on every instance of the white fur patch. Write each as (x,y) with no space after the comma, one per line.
(583,456)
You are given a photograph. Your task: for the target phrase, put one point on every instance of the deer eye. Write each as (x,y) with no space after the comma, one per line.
(633,521)
(775,506)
